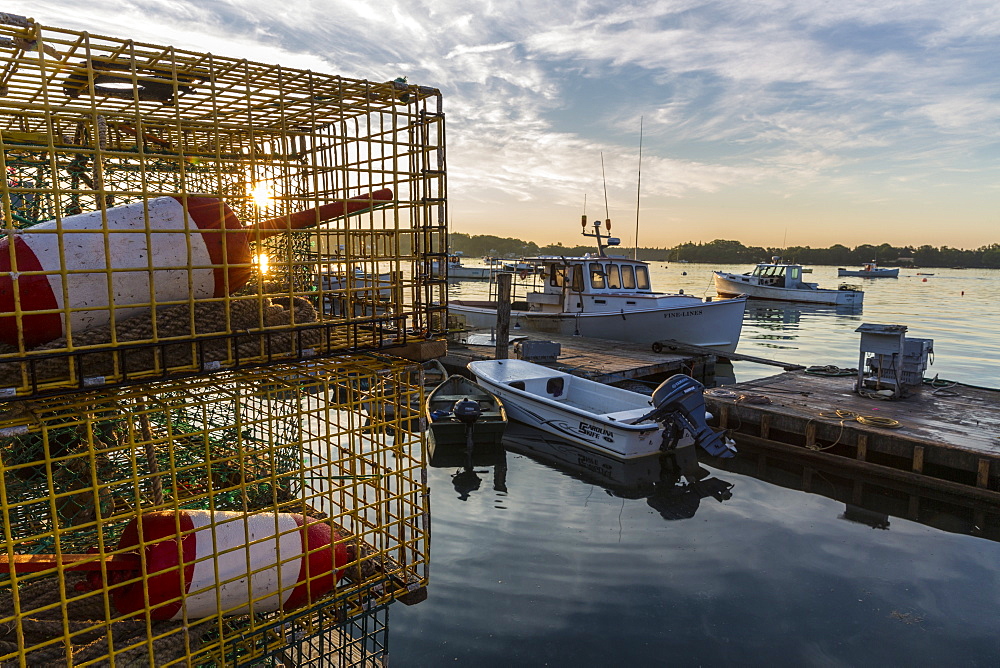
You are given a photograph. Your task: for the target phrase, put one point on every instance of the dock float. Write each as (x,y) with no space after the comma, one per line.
(600,360)
(944,438)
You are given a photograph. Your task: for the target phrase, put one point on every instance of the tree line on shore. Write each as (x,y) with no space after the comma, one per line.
(733,252)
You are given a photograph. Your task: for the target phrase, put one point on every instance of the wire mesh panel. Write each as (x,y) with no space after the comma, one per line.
(321,637)
(180,210)
(208,519)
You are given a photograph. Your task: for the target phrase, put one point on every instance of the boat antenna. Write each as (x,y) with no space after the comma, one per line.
(607,211)
(638,183)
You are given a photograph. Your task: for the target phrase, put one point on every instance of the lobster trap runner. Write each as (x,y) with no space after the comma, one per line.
(167,521)
(175,210)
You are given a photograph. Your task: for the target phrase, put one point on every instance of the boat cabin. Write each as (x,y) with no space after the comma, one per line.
(561,283)
(779,274)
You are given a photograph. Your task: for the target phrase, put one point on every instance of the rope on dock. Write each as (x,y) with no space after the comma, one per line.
(844,416)
(739,397)
(868,420)
(830,370)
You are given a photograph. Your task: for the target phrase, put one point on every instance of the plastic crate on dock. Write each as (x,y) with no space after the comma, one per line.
(174,211)
(191,520)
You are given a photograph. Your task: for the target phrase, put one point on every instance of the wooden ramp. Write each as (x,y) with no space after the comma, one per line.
(600,360)
(944,437)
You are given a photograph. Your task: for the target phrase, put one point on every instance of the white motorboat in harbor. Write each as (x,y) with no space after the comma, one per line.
(606,297)
(611,420)
(457,270)
(783,281)
(870,270)
(356,292)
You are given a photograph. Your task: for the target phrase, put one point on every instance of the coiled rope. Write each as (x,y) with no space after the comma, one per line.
(844,416)
(868,420)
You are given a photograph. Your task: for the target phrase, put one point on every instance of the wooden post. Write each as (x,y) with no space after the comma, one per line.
(862,447)
(810,434)
(502,335)
(918,458)
(983,474)
(765,425)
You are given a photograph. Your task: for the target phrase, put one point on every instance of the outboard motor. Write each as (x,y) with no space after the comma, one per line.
(467,412)
(679,400)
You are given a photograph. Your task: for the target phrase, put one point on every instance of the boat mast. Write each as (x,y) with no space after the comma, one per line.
(597,233)
(638,183)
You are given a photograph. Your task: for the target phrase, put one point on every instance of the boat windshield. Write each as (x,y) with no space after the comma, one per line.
(614,278)
(769,270)
(642,278)
(557,275)
(596,276)
(628,277)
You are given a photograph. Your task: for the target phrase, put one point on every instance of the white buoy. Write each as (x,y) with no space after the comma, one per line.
(200,563)
(167,249)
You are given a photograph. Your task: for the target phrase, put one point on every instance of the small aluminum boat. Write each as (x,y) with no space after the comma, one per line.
(450,418)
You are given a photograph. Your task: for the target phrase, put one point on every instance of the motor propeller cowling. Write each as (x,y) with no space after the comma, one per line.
(467,411)
(680,399)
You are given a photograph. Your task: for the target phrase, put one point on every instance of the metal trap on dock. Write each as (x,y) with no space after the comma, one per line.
(171,211)
(194,519)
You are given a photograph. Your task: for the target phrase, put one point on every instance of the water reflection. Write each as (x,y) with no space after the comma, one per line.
(788,317)
(656,479)
(472,467)
(870,500)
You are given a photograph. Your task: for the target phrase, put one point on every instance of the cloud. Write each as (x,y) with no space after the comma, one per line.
(785,96)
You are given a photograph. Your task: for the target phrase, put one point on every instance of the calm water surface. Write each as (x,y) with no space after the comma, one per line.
(544,556)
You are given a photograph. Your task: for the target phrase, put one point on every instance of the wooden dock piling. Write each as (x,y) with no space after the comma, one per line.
(504,279)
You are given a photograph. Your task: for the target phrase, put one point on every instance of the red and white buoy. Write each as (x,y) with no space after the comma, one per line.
(264,562)
(160,253)
(200,563)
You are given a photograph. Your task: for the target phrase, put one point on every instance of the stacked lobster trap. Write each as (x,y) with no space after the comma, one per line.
(201,259)
(173,211)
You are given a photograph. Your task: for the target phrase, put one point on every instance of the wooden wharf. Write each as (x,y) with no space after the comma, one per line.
(945,438)
(937,443)
(599,360)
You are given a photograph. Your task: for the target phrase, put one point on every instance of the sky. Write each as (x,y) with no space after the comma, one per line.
(774,123)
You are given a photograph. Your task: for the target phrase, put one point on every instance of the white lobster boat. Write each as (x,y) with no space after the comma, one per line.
(606,297)
(870,270)
(457,270)
(610,420)
(782,281)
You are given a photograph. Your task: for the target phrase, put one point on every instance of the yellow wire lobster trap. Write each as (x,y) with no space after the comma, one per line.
(209,520)
(173,211)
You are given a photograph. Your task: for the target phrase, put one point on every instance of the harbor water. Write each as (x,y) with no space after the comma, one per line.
(545,556)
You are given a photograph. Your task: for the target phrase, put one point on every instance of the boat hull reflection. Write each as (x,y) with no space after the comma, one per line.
(655,478)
